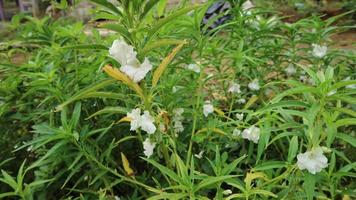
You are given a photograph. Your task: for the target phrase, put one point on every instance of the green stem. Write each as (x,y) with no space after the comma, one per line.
(189,154)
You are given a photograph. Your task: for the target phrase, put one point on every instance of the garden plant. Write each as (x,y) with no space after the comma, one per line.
(173,105)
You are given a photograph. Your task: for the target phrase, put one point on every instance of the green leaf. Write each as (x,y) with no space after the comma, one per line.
(269,165)
(87,47)
(159,24)
(76,115)
(165,170)
(81,94)
(108,5)
(120,29)
(110,110)
(345,122)
(263,192)
(309,185)
(347,138)
(159,43)
(293,148)
(148,6)
(165,195)
(211,180)
(9,180)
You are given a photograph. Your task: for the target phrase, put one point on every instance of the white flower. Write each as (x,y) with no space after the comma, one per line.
(252,134)
(290,70)
(177,119)
(148,147)
(208,108)
(241,101)
(227,192)
(137,72)
(135,118)
(254,85)
(314,161)
(130,65)
(247,5)
(178,112)
(200,155)
(178,126)
(235,88)
(123,53)
(239,116)
(117,198)
(236,132)
(147,123)
(319,51)
(194,67)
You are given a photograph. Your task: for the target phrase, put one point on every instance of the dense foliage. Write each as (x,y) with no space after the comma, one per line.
(166,107)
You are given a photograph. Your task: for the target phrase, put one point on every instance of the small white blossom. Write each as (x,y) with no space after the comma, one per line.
(234,88)
(254,85)
(135,117)
(252,134)
(130,65)
(319,51)
(178,126)
(199,155)
(314,161)
(241,101)
(117,198)
(194,67)
(240,116)
(227,192)
(147,123)
(208,108)
(177,120)
(148,147)
(236,132)
(290,70)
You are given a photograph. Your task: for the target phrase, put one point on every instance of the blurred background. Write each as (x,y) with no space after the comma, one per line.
(81,9)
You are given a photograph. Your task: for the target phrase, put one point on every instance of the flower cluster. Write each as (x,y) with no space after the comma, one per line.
(177,120)
(252,134)
(144,121)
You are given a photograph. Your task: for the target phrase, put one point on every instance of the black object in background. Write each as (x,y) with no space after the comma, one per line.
(214,10)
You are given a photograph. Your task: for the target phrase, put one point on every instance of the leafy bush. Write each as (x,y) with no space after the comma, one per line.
(168,108)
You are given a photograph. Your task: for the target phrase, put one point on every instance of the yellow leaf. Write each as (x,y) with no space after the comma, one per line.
(124,119)
(126,165)
(346,197)
(220,112)
(160,69)
(254,175)
(118,75)
(251,101)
